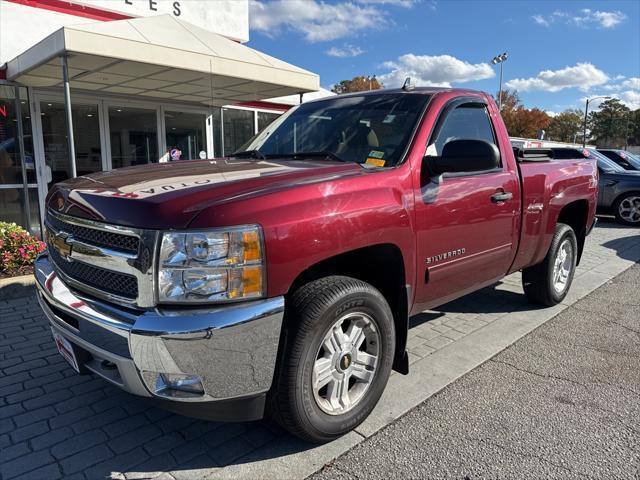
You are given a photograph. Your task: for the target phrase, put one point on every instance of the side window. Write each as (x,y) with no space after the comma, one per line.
(466,122)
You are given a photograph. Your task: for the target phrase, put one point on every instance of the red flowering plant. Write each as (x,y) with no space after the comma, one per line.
(18,249)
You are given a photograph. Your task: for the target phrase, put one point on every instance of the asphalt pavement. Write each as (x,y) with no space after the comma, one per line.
(563,402)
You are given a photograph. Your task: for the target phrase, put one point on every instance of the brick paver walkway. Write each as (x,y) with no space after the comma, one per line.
(55,423)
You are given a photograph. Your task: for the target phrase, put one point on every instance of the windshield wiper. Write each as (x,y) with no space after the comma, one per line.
(319,154)
(249,154)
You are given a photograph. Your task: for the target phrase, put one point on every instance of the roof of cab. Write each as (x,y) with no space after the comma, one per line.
(412,91)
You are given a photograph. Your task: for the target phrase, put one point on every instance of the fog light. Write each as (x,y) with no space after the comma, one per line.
(179,385)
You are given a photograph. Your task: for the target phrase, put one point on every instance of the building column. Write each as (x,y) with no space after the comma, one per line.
(23,161)
(67,107)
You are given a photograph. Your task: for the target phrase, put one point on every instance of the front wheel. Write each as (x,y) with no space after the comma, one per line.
(627,209)
(548,282)
(337,358)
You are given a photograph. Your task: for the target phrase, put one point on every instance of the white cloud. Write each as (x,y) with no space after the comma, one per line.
(588,17)
(315,20)
(438,71)
(581,75)
(399,3)
(345,51)
(540,20)
(584,18)
(631,98)
(551,113)
(633,83)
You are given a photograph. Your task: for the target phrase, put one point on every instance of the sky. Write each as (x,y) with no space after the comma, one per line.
(559,53)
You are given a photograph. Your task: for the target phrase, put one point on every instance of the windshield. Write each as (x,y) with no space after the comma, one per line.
(372,129)
(605,163)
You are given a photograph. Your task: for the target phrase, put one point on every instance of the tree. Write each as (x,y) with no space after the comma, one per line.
(527,123)
(521,121)
(357,84)
(510,100)
(633,130)
(608,124)
(566,126)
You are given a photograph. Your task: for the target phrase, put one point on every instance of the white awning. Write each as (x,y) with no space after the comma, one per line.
(158,57)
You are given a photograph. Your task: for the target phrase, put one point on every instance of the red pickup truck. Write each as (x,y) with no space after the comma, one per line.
(281,279)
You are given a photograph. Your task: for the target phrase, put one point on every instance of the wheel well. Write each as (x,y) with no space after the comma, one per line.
(382,266)
(575,214)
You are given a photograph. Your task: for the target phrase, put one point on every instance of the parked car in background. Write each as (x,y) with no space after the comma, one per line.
(619,192)
(626,160)
(618,189)
(281,279)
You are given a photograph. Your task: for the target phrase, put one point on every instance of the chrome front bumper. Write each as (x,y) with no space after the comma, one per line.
(232,348)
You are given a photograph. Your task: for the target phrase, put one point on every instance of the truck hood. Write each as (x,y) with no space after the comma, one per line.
(170,195)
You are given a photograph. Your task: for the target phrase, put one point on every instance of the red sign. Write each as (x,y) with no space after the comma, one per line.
(3,111)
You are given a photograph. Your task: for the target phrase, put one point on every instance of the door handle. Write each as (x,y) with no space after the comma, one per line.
(501,197)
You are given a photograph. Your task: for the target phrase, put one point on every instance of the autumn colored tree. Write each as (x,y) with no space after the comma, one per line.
(528,122)
(566,126)
(357,84)
(510,100)
(521,121)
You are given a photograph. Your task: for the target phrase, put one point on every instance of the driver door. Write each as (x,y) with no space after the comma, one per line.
(465,234)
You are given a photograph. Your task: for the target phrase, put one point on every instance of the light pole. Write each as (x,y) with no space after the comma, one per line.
(500,59)
(586,111)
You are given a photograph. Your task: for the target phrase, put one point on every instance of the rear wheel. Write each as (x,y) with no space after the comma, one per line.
(337,359)
(548,282)
(627,209)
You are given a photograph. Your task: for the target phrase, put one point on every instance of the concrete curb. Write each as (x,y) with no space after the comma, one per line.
(428,376)
(16,287)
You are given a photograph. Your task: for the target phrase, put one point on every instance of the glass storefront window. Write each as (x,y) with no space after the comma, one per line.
(13,201)
(10,164)
(265,119)
(134,136)
(12,208)
(86,134)
(238,127)
(185,135)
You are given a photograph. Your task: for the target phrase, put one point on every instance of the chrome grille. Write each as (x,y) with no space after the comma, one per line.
(112,282)
(107,261)
(101,238)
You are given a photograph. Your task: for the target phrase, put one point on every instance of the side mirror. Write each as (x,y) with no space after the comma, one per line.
(464,156)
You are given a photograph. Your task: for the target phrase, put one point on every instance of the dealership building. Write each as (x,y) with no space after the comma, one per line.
(94,85)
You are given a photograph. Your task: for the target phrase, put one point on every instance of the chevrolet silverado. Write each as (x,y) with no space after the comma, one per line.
(280,280)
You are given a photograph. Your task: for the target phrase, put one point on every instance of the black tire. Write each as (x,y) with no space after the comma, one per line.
(538,280)
(313,309)
(616,208)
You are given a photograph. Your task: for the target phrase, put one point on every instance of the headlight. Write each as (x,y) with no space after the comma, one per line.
(213,265)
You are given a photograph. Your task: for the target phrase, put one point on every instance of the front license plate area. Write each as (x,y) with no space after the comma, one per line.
(66,349)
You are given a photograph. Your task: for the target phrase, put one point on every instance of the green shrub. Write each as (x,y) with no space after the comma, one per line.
(18,248)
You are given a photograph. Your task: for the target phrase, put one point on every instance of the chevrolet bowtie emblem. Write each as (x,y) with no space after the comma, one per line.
(62,242)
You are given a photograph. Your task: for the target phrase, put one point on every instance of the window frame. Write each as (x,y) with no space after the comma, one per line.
(449,107)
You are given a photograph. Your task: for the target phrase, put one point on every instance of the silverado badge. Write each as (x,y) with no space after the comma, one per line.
(445,255)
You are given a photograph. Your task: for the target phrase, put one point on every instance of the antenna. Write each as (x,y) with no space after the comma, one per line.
(407,86)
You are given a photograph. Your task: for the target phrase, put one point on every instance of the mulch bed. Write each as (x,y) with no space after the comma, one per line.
(28,270)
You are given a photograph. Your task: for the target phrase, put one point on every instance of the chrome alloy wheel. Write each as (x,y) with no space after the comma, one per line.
(562,266)
(629,209)
(346,363)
